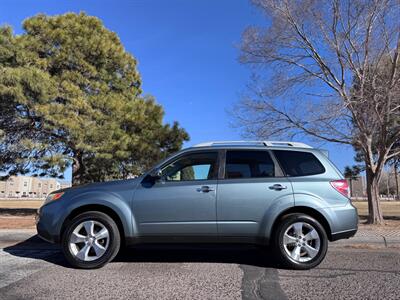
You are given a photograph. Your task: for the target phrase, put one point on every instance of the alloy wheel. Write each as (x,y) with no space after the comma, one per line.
(301,242)
(89,240)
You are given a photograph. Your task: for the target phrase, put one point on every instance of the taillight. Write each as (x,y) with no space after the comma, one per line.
(341,186)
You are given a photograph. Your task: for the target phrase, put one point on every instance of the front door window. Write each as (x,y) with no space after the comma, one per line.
(194,166)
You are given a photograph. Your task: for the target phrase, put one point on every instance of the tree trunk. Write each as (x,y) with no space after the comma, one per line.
(396,178)
(375,215)
(388,185)
(77,168)
(351,187)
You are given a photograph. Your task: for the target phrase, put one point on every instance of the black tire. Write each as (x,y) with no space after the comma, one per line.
(113,243)
(279,248)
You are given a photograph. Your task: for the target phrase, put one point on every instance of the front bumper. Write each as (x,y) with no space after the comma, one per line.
(45,235)
(45,227)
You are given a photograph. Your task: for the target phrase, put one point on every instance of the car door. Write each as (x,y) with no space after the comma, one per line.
(182,201)
(252,184)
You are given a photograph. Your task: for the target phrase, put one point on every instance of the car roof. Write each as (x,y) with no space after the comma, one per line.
(252,144)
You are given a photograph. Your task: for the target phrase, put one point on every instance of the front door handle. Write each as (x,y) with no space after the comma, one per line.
(205,189)
(277,187)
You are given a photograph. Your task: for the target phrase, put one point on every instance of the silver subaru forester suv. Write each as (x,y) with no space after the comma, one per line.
(284,194)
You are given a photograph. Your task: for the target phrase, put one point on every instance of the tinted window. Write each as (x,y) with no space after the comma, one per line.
(248,164)
(194,166)
(296,163)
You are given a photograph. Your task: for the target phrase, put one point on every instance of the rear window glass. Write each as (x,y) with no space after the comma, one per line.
(297,163)
(248,164)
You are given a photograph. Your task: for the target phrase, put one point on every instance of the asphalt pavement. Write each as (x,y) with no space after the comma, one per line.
(33,269)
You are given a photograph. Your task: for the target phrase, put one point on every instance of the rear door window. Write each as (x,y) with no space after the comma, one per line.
(248,164)
(297,163)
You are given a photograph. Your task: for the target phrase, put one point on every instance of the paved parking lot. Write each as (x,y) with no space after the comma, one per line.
(32,269)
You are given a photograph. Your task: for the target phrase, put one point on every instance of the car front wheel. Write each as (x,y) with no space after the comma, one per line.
(90,240)
(300,242)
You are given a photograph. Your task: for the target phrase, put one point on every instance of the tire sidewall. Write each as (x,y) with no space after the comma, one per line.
(113,246)
(287,260)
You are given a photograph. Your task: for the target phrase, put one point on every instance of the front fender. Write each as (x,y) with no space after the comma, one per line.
(108,199)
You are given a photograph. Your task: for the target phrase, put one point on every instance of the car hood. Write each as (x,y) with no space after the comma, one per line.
(103,185)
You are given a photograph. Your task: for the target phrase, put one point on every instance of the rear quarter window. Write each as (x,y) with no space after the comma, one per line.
(297,163)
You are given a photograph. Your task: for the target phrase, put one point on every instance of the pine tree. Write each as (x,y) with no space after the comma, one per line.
(70,94)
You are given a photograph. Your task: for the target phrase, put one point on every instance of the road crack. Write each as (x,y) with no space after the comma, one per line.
(261,283)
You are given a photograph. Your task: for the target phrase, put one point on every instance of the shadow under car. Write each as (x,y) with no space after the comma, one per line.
(34,248)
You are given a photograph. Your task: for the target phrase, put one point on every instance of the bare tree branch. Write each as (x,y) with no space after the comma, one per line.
(312,48)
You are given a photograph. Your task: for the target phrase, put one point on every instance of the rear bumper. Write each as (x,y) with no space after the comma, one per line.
(343,235)
(343,221)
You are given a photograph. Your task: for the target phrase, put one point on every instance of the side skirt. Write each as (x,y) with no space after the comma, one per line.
(131,241)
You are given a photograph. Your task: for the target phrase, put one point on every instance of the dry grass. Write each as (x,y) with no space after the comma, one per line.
(387,224)
(20,203)
(390,209)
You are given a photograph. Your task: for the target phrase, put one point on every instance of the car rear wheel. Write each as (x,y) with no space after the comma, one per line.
(300,242)
(91,240)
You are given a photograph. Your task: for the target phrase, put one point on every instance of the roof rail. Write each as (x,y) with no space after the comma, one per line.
(259,143)
(291,144)
(217,143)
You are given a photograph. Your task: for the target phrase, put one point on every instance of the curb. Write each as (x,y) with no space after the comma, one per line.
(371,238)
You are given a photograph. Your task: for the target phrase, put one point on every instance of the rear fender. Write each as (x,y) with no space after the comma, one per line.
(279,205)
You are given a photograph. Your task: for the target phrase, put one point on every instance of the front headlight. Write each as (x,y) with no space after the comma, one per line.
(53,197)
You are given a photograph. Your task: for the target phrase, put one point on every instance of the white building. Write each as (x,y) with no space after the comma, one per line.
(30,187)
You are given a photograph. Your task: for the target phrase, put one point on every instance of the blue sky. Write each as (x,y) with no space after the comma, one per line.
(187,53)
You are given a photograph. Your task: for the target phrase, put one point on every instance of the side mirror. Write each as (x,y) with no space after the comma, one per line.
(156,173)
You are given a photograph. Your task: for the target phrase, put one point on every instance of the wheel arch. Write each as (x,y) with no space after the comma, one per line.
(95,207)
(307,211)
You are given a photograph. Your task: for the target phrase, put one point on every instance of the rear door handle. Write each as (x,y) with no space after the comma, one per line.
(205,189)
(277,187)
